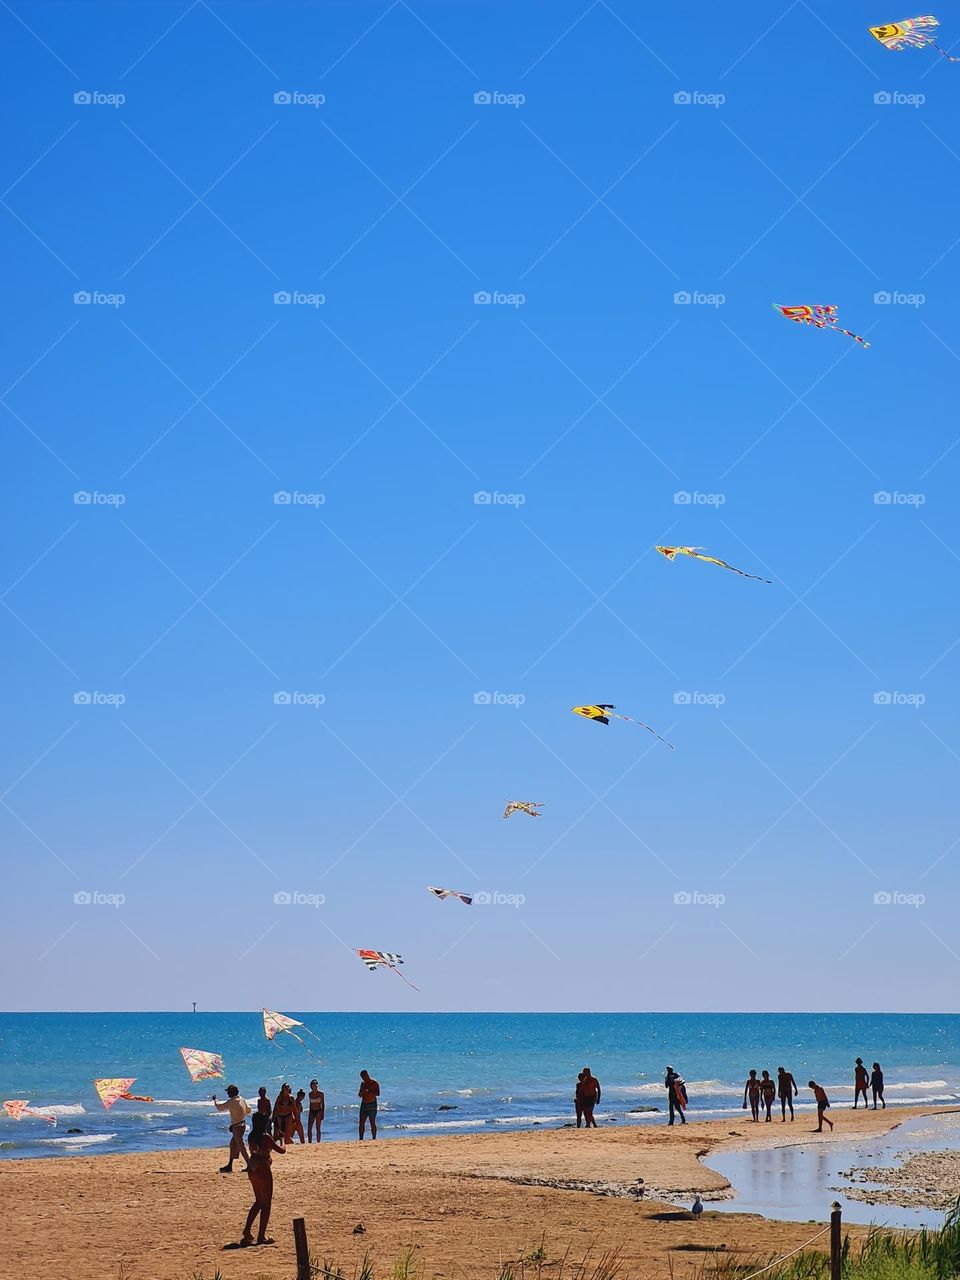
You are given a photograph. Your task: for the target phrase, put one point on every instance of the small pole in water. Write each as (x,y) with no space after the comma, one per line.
(303,1253)
(835,1245)
(194,1006)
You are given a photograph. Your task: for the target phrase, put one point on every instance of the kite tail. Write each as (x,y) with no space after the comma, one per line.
(949,57)
(743,573)
(400,975)
(648,729)
(856,337)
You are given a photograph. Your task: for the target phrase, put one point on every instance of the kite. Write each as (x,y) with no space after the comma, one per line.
(449,893)
(202,1065)
(694,552)
(598,712)
(20,1107)
(383,959)
(523,806)
(910,33)
(820,316)
(112,1090)
(274,1022)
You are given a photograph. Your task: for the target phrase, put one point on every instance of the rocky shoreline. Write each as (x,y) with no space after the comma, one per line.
(926,1180)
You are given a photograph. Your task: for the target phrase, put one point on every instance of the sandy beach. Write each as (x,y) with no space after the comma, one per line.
(464,1202)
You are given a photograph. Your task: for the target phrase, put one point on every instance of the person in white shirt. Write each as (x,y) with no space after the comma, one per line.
(239,1110)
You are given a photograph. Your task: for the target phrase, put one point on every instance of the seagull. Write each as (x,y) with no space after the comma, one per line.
(697,1207)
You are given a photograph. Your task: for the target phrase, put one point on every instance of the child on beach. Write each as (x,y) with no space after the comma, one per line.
(296,1121)
(260,1174)
(822,1103)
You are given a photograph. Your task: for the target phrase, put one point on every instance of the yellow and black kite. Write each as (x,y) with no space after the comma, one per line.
(694,552)
(602,712)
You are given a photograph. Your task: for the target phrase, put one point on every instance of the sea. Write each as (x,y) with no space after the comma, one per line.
(443,1073)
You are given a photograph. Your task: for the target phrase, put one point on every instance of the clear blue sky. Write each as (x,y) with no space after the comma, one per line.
(597,399)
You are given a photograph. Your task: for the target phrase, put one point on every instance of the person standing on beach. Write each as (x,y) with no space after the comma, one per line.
(822,1103)
(239,1110)
(752,1088)
(676,1094)
(283,1115)
(578,1100)
(368,1093)
(296,1120)
(589,1096)
(317,1106)
(860,1082)
(260,1173)
(263,1102)
(876,1086)
(787,1090)
(768,1092)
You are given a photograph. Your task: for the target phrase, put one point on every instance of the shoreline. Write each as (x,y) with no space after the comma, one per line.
(462,1200)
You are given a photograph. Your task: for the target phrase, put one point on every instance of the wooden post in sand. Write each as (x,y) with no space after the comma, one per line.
(835,1245)
(303,1253)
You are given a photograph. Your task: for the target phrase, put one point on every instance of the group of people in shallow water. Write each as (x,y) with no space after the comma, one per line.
(765,1092)
(272,1129)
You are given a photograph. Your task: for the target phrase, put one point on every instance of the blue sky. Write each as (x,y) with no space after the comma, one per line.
(739,157)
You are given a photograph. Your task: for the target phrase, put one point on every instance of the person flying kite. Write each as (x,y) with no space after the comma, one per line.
(532,807)
(442,895)
(821,316)
(694,552)
(603,712)
(383,960)
(910,33)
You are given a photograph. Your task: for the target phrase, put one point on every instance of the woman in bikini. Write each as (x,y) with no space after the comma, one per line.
(752,1089)
(296,1125)
(317,1107)
(768,1091)
(283,1115)
(260,1173)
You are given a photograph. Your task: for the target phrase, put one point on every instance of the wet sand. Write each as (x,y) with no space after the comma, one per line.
(463,1202)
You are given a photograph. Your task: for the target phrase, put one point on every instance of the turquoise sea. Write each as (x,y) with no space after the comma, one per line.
(442,1073)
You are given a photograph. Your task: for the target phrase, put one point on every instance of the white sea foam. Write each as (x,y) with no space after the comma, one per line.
(80,1140)
(529,1119)
(183,1130)
(74,1109)
(441,1124)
